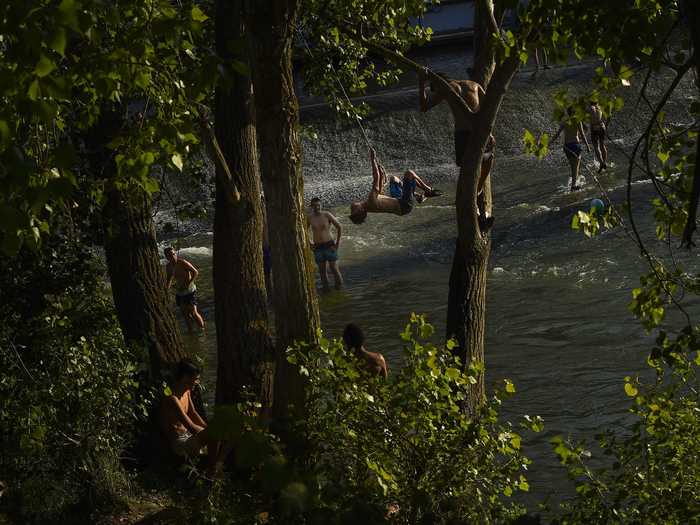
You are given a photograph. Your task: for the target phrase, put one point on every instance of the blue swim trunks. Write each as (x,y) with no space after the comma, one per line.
(573,149)
(395,189)
(325,252)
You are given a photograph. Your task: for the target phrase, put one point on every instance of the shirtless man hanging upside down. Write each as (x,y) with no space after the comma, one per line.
(402,193)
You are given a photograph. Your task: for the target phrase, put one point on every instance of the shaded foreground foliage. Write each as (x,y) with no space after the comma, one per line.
(68,392)
(368,447)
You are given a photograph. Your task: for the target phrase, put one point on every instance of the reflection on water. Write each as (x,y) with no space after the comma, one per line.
(558,323)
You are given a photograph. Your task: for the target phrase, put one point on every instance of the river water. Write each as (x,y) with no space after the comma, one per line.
(558,324)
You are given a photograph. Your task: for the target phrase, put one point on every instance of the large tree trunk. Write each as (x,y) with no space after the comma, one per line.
(466,306)
(244,345)
(294,294)
(138,281)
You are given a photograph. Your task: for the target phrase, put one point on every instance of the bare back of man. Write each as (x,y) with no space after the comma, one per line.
(374,361)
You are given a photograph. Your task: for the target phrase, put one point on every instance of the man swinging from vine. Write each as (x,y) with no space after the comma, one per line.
(402,191)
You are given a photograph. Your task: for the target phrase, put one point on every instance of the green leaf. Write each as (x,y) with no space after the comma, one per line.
(198,15)
(452,373)
(630,390)
(44,67)
(515,441)
(510,387)
(663,156)
(177,161)
(58,41)
(4,133)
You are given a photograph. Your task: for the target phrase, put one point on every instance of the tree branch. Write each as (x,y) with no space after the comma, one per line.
(392,55)
(217,156)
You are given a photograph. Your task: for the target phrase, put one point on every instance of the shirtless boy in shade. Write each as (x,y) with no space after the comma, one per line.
(573,133)
(471,92)
(324,246)
(373,362)
(183,427)
(598,134)
(402,199)
(183,274)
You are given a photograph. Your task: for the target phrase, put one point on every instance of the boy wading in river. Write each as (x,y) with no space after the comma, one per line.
(573,133)
(324,246)
(184,274)
(403,196)
(598,135)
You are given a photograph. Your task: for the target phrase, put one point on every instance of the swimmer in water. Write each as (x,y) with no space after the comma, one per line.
(324,246)
(598,134)
(372,362)
(573,132)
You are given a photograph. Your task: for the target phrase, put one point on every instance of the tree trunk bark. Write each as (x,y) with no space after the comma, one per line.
(484,51)
(466,304)
(244,344)
(138,280)
(294,294)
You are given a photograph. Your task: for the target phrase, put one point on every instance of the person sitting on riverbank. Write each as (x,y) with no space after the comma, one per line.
(573,132)
(183,273)
(373,362)
(403,194)
(324,246)
(180,422)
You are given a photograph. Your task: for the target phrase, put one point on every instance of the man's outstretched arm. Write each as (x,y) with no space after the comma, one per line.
(191,270)
(426,102)
(338,230)
(419,182)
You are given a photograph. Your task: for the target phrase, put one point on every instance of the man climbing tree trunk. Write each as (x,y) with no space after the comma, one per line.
(294,295)
(466,304)
(244,345)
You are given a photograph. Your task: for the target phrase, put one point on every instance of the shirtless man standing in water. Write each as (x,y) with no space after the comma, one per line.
(598,134)
(324,247)
(184,274)
(573,133)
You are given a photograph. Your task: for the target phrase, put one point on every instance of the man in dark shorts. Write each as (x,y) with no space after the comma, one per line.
(372,362)
(573,132)
(324,246)
(598,134)
(183,273)
(403,194)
